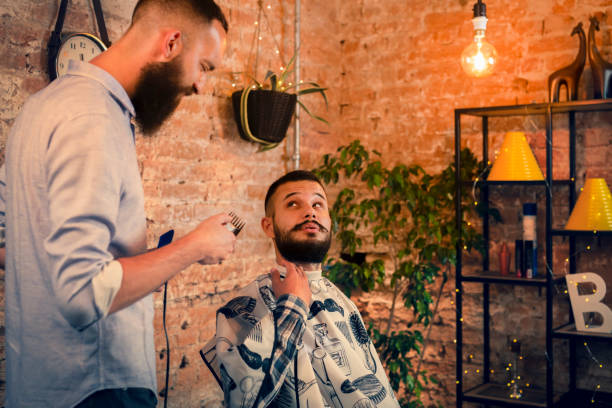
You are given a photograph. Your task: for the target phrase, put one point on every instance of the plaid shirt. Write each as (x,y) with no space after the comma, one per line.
(289,315)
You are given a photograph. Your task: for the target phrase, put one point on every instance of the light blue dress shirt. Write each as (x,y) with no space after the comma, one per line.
(74,202)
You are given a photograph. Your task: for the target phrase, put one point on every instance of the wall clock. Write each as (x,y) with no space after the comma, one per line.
(63,47)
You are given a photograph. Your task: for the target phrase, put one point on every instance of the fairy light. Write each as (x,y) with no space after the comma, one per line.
(585,343)
(515,382)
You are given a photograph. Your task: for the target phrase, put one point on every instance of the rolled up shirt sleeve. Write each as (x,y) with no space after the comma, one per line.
(84,190)
(106,284)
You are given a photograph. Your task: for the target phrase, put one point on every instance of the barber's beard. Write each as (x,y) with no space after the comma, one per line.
(310,250)
(158,93)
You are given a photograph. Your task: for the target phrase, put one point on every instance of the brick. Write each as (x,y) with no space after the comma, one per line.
(394,77)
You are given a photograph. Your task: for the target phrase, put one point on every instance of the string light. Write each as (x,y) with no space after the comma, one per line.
(508,368)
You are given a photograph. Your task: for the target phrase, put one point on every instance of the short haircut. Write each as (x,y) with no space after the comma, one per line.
(206,10)
(296,175)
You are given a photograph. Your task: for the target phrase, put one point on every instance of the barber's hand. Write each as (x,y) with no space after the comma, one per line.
(213,241)
(295,282)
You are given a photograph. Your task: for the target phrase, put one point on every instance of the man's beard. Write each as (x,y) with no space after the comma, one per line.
(306,251)
(158,93)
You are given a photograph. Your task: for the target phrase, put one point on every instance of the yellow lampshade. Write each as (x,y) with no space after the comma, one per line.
(515,161)
(593,210)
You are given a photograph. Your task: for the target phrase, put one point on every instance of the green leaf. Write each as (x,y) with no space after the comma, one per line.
(312,115)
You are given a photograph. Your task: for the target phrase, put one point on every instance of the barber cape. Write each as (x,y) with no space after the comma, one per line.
(336,364)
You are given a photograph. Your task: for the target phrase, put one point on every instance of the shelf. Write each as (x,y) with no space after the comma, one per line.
(582,398)
(582,233)
(593,105)
(495,277)
(494,395)
(569,331)
(525,183)
(539,108)
(497,394)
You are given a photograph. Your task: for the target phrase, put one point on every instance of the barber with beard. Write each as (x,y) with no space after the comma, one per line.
(291,338)
(79,308)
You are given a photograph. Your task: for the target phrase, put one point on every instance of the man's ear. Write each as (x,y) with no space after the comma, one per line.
(267,224)
(172,44)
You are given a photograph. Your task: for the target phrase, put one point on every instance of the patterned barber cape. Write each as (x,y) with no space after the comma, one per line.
(267,351)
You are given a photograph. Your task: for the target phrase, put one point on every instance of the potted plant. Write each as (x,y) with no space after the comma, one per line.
(406,215)
(263,110)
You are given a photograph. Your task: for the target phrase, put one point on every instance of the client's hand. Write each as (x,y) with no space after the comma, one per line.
(295,282)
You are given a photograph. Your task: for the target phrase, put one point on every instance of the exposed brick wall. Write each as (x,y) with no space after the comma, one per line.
(394,78)
(402,81)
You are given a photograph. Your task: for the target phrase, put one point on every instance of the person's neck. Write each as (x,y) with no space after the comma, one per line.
(307,267)
(124,61)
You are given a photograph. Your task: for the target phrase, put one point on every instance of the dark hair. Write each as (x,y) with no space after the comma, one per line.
(207,10)
(296,175)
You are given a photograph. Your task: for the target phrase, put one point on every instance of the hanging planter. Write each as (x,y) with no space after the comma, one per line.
(263,110)
(262,115)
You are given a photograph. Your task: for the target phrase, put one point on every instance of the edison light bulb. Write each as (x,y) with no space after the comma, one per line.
(478,59)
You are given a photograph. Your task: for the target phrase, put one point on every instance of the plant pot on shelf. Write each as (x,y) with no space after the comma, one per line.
(263,116)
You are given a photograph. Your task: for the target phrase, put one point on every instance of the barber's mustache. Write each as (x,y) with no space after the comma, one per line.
(321,227)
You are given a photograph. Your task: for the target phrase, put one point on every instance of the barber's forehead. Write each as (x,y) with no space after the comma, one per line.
(299,187)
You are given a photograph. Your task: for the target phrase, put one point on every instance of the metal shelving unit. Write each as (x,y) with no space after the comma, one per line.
(489,393)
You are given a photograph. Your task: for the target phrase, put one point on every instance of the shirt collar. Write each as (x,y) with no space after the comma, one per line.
(107,80)
(312,275)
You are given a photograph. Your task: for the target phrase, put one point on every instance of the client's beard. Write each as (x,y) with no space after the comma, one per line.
(157,94)
(306,251)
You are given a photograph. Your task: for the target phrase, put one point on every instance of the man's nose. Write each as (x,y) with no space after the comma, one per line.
(199,84)
(310,214)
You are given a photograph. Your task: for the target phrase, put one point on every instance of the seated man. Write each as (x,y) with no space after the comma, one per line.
(296,340)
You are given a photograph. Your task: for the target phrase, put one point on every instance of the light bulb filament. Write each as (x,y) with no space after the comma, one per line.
(479,58)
